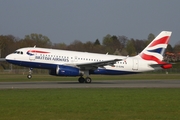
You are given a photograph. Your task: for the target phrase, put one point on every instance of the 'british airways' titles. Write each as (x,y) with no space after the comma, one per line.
(52,58)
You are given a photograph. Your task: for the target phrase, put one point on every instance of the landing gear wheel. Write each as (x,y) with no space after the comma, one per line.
(88,80)
(29,76)
(81,80)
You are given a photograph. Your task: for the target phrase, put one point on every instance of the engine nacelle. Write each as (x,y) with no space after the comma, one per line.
(62,70)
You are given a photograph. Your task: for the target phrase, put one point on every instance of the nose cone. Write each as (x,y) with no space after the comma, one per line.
(7,57)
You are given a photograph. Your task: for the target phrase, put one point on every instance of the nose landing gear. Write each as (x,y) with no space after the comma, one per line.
(29,76)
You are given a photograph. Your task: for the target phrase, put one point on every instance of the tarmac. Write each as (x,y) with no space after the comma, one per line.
(94,84)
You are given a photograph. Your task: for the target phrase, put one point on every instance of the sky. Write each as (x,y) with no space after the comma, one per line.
(64,21)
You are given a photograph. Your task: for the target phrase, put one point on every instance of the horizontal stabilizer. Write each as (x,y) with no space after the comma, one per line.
(164,65)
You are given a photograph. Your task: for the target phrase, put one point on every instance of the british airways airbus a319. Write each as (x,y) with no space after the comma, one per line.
(73,63)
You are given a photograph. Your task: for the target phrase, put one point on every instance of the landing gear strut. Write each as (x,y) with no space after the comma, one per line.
(29,76)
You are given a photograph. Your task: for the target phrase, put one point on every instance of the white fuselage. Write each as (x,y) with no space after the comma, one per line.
(50,58)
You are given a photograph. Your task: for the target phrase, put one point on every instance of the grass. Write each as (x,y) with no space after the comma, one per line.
(42,77)
(96,104)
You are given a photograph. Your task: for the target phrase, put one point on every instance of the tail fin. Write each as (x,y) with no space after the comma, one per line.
(155,50)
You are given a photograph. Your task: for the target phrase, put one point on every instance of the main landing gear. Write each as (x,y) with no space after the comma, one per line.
(29,76)
(86,80)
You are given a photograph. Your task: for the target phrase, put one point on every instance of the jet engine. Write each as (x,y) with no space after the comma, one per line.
(62,70)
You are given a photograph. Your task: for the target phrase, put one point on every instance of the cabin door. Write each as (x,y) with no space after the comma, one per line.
(135,64)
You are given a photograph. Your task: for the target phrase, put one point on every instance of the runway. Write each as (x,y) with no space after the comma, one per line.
(94,84)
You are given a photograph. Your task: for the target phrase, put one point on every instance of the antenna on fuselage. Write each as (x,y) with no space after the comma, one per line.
(35,46)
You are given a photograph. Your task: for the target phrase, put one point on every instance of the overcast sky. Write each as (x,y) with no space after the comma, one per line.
(64,21)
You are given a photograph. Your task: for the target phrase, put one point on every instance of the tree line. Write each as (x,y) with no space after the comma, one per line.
(111,44)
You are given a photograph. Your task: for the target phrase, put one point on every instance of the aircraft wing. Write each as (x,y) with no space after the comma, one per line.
(95,65)
(2,59)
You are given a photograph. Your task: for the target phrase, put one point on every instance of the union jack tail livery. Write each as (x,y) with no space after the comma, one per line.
(155,50)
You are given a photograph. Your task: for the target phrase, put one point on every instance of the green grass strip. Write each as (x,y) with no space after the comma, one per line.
(90,104)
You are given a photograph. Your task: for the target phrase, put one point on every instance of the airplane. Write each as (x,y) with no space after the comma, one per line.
(74,63)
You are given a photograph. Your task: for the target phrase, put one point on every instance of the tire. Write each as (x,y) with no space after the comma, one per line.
(29,76)
(88,80)
(81,80)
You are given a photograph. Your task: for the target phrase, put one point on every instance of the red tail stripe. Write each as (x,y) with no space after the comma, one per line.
(152,58)
(163,40)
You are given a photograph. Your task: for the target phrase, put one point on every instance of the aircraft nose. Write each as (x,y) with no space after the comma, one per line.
(8,57)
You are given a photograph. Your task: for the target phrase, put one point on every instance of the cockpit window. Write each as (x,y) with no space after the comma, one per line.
(15,52)
(18,52)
